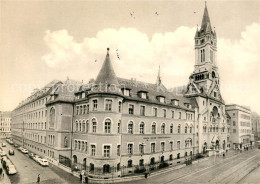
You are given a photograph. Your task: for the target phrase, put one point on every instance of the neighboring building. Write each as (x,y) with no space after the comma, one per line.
(204,86)
(255,119)
(5,124)
(114,126)
(241,126)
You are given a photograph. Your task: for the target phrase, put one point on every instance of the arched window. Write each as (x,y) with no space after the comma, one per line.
(130,127)
(119,126)
(154,128)
(191,129)
(179,129)
(163,128)
(142,128)
(171,128)
(79,145)
(77,126)
(80,125)
(186,129)
(87,126)
(76,144)
(94,125)
(108,126)
(52,118)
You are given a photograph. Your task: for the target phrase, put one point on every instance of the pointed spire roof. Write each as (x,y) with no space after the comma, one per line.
(106,74)
(205,24)
(159,81)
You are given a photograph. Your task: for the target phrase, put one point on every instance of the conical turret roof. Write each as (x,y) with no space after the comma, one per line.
(107,74)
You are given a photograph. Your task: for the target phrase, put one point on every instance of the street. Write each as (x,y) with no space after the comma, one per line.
(28,170)
(231,169)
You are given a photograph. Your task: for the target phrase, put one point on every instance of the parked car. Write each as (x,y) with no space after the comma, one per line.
(36,158)
(11,152)
(3,153)
(31,155)
(3,145)
(20,148)
(25,151)
(11,169)
(43,162)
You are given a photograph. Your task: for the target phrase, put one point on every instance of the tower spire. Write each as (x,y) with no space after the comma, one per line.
(205,24)
(159,81)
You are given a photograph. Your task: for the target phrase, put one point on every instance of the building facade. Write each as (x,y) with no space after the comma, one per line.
(115,126)
(241,126)
(5,124)
(255,119)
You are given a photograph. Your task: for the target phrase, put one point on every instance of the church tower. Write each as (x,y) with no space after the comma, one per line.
(205,75)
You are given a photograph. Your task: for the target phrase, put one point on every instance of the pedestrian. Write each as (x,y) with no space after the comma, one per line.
(38,178)
(223,155)
(3,174)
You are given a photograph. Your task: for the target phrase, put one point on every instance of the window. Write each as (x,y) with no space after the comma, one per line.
(77,126)
(87,126)
(215,94)
(130,149)
(129,163)
(142,128)
(81,110)
(202,53)
(80,126)
(141,162)
(161,99)
(119,106)
(234,130)
(163,128)
(52,118)
(191,130)
(94,126)
(108,126)
(234,123)
(93,150)
(155,112)
(179,129)
(82,147)
(142,110)
(130,127)
(179,115)
(171,145)
(76,144)
(84,109)
(178,144)
(86,147)
(126,92)
(152,147)
(83,126)
(118,126)
(164,113)
(172,114)
(118,150)
(87,108)
(106,151)
(171,128)
(154,128)
(95,104)
(186,129)
(131,109)
(141,148)
(170,157)
(79,144)
(108,105)
(162,146)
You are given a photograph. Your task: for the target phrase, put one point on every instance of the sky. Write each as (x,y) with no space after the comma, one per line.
(41,41)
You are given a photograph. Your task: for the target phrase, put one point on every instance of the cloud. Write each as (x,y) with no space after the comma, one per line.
(140,56)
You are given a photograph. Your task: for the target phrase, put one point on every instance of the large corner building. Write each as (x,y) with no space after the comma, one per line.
(115,126)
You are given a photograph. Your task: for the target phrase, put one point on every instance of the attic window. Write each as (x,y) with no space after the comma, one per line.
(161,99)
(126,92)
(142,94)
(83,95)
(188,105)
(175,102)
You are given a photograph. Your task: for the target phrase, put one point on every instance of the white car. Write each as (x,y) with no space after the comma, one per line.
(3,145)
(36,158)
(3,153)
(25,151)
(43,162)
(11,169)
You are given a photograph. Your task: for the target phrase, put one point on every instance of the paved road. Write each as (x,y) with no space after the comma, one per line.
(231,169)
(28,170)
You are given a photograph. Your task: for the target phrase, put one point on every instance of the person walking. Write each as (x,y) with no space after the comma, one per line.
(38,178)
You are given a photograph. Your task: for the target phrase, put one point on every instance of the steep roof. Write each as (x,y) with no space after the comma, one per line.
(107,74)
(205,24)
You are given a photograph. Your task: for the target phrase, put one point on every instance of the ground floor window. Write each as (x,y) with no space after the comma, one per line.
(106,168)
(64,161)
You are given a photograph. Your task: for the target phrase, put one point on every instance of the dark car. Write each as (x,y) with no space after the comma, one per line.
(31,155)
(11,152)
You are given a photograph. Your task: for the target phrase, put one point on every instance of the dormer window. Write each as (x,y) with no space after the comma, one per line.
(126,92)
(161,99)
(175,102)
(187,105)
(142,94)
(83,95)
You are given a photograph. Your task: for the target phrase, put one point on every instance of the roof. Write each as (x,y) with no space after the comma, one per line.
(205,24)
(106,81)
(154,91)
